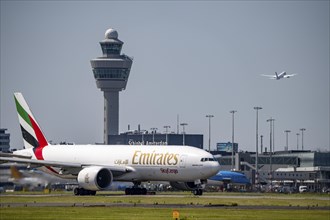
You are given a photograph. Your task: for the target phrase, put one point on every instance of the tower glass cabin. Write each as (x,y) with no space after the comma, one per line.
(111,72)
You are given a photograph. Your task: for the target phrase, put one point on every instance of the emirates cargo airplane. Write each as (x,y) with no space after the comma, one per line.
(95,167)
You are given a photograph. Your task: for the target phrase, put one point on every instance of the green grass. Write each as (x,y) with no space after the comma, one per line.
(136,213)
(304,200)
(154,212)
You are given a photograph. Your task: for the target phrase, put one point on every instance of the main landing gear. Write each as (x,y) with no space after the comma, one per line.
(83,192)
(198,192)
(136,190)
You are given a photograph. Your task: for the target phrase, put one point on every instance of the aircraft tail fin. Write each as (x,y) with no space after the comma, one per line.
(14,173)
(276,75)
(32,134)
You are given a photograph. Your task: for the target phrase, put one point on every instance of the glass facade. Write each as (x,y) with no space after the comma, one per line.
(111,48)
(113,73)
(4,140)
(322,159)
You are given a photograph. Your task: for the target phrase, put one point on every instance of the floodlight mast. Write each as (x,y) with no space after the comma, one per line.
(232,139)
(183,133)
(209,116)
(257,150)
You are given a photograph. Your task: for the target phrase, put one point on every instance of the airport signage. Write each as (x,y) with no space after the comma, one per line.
(132,142)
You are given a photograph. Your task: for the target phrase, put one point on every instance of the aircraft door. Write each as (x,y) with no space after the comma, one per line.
(183,161)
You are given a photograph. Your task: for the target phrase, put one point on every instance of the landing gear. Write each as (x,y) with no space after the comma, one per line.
(136,190)
(200,185)
(198,192)
(83,192)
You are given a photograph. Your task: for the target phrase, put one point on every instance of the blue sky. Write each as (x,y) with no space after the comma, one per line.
(191,58)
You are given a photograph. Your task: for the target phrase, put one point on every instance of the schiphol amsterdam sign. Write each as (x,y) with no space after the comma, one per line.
(132,142)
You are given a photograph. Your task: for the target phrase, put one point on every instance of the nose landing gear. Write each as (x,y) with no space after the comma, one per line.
(198,192)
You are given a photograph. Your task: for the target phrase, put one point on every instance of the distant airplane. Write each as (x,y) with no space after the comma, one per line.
(222,178)
(95,167)
(30,180)
(228,177)
(279,76)
(35,178)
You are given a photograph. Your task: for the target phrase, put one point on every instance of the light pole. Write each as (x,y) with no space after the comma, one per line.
(261,143)
(302,137)
(183,132)
(153,134)
(287,139)
(257,151)
(209,116)
(166,132)
(271,120)
(273,135)
(232,140)
(297,141)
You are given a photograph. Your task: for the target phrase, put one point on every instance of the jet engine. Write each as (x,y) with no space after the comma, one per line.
(94,178)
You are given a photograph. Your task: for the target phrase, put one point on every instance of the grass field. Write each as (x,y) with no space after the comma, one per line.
(157,213)
(153,211)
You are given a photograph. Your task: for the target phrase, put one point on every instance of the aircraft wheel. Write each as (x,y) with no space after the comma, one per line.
(128,191)
(83,192)
(135,191)
(76,191)
(198,192)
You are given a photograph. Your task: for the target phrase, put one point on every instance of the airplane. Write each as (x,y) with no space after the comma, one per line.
(280,76)
(95,167)
(30,180)
(228,177)
(222,178)
(34,178)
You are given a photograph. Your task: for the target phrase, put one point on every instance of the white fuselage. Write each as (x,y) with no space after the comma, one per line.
(281,75)
(146,162)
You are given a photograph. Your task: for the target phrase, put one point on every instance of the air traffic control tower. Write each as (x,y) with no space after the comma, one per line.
(111,72)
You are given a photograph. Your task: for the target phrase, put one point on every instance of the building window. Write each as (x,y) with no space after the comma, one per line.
(114,73)
(111,48)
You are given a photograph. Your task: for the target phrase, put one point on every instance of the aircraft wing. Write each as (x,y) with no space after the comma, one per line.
(289,75)
(14,155)
(67,166)
(40,162)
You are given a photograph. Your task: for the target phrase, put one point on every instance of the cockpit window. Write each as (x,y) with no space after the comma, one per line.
(207,159)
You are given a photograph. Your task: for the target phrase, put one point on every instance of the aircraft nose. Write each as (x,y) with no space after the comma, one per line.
(215,168)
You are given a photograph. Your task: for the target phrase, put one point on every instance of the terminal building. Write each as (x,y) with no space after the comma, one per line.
(153,138)
(282,168)
(4,140)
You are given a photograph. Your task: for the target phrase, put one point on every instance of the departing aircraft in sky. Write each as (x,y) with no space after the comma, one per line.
(279,76)
(95,167)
